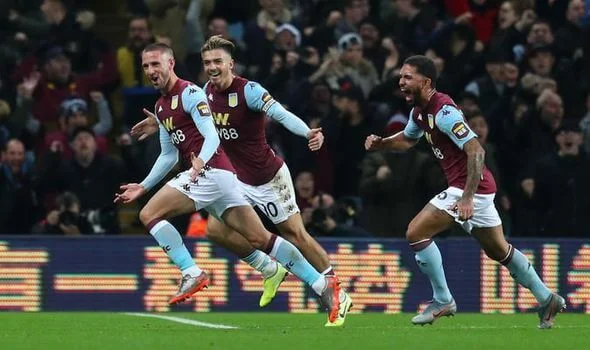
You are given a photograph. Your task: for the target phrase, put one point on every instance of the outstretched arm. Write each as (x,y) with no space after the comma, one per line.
(402,141)
(166,160)
(259,99)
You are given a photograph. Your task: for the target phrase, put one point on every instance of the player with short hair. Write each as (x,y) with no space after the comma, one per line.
(239,109)
(469,200)
(186,127)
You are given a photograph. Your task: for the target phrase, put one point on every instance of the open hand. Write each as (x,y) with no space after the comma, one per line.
(146,127)
(130,193)
(464,208)
(198,165)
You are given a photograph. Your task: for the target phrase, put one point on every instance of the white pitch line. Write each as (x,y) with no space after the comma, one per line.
(183,321)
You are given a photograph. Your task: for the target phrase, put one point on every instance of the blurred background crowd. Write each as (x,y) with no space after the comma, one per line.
(71,86)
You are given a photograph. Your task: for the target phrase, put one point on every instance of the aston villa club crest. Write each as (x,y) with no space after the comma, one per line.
(232,99)
(174,102)
(431,121)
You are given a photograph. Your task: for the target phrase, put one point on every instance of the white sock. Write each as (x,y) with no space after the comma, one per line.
(194,271)
(319,285)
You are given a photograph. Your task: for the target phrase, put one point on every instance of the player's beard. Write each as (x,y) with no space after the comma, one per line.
(412,97)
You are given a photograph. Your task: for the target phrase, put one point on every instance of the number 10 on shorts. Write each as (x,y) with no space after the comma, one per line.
(270,210)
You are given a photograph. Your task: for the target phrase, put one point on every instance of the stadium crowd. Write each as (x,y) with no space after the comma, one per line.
(519,69)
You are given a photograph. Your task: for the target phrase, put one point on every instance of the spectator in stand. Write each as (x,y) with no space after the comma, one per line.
(74,114)
(261,31)
(569,39)
(351,129)
(66,219)
(304,192)
(93,177)
(354,13)
(514,19)
(540,34)
(481,14)
(348,62)
(490,88)
(414,24)
(329,218)
(168,19)
(58,82)
(139,35)
(374,47)
(19,207)
(544,124)
(559,187)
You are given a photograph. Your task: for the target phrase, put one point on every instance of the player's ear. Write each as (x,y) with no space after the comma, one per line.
(231,65)
(425,82)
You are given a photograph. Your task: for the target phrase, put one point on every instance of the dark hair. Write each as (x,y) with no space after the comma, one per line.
(350,3)
(159,47)
(66,200)
(424,66)
(81,129)
(141,18)
(470,113)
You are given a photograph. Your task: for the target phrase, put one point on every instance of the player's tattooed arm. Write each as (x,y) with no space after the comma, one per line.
(475,163)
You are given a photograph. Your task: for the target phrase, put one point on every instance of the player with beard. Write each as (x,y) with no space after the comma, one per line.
(469,200)
(186,127)
(239,108)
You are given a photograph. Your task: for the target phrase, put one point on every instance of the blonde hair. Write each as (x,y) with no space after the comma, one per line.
(218,42)
(546,96)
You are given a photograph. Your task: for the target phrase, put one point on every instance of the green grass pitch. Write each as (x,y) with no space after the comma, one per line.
(106,331)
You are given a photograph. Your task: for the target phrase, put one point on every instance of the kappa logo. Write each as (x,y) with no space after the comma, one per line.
(460,130)
(442,196)
(446,112)
(160,109)
(186,187)
(203,109)
(192,91)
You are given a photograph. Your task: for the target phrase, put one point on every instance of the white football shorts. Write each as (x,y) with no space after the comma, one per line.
(484,211)
(215,191)
(275,198)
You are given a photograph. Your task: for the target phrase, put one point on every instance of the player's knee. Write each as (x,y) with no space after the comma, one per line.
(146,215)
(214,233)
(413,233)
(495,254)
(295,235)
(258,242)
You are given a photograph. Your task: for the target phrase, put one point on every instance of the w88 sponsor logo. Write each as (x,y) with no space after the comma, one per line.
(228,134)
